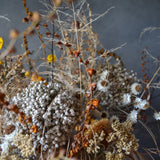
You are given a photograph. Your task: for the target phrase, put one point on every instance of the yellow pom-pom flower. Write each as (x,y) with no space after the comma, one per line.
(27,74)
(51,58)
(1,42)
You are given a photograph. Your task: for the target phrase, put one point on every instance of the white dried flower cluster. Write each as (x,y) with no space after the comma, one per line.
(114,83)
(50,110)
(132,116)
(126,99)
(141,104)
(7,142)
(136,88)
(157,115)
(60,118)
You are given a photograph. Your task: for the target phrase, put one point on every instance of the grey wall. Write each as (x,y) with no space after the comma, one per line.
(123,24)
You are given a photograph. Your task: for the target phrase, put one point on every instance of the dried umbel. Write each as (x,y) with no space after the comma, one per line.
(47,112)
(121,140)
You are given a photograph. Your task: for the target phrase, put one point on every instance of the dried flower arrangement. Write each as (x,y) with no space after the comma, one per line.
(81,103)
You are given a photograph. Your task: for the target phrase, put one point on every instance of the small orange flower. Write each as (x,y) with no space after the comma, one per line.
(86,144)
(20,119)
(34,129)
(91,71)
(29,120)
(95,102)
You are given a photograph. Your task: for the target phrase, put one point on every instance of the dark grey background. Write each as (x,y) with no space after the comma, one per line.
(123,24)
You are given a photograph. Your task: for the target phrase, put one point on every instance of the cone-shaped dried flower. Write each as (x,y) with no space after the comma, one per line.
(141,104)
(132,116)
(136,88)
(103,85)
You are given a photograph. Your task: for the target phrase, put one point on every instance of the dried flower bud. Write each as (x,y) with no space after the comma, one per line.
(14,34)
(95,102)
(92,86)
(57,2)
(91,71)
(75,25)
(36,16)
(34,129)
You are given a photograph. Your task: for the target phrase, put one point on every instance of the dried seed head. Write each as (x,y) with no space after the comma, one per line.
(36,16)
(14,34)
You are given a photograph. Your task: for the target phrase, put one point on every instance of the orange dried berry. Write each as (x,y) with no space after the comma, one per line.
(95,102)
(34,129)
(22,115)
(76,53)
(91,71)
(14,34)
(48,33)
(20,119)
(45,25)
(29,120)
(56,35)
(86,144)
(25,20)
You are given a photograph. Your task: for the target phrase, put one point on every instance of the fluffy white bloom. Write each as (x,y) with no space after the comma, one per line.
(157,115)
(5,147)
(141,104)
(104,75)
(136,88)
(132,116)
(102,85)
(126,99)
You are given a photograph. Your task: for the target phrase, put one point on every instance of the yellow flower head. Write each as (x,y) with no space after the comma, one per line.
(1,62)
(1,42)
(51,58)
(27,74)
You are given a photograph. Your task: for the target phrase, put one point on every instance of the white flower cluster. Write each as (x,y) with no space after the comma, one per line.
(52,111)
(61,117)
(157,115)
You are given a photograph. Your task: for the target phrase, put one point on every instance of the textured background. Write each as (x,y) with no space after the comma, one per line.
(123,24)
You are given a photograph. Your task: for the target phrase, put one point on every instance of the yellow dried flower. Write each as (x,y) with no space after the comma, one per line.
(27,74)
(1,42)
(51,58)
(1,62)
